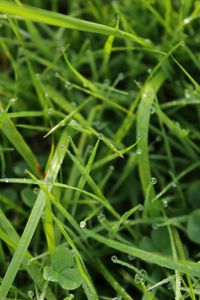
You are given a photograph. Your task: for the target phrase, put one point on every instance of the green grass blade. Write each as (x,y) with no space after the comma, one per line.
(185,267)
(52,18)
(32,221)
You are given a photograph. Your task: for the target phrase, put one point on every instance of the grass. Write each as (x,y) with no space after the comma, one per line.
(99,155)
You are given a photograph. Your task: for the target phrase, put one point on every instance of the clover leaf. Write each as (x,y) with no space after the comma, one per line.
(62,270)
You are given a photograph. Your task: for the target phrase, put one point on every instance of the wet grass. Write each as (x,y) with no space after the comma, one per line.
(99,155)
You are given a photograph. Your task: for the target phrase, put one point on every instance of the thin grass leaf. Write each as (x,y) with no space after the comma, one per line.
(16,139)
(52,18)
(33,221)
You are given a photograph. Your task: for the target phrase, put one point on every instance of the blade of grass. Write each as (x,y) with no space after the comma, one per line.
(16,139)
(33,221)
(52,18)
(155,258)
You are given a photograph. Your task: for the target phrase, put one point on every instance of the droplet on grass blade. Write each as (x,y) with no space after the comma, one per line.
(82,224)
(68,85)
(100,136)
(153,180)
(114,258)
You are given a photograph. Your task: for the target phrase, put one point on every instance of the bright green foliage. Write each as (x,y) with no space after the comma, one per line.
(62,270)
(99,149)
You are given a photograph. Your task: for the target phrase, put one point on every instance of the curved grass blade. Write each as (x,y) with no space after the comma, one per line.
(56,19)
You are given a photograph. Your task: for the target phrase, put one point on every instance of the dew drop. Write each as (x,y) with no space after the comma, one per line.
(57,75)
(152,110)
(73,123)
(30,294)
(82,224)
(69,138)
(137,279)
(37,75)
(100,136)
(155,226)
(149,70)
(174,184)
(6,180)
(90,148)
(187,94)
(140,207)
(114,258)
(139,136)
(68,85)
(186,21)
(13,100)
(62,146)
(165,203)
(139,151)
(74,104)
(36,190)
(111,168)
(153,180)
(143,272)
(50,111)
(107,81)
(101,218)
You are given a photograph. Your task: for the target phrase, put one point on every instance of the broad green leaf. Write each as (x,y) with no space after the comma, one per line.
(193,226)
(50,274)
(70,279)
(62,259)
(193,194)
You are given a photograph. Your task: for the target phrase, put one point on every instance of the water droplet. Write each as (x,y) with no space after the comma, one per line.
(73,123)
(90,148)
(187,94)
(121,76)
(6,180)
(149,70)
(74,104)
(57,75)
(140,207)
(111,168)
(13,100)
(107,81)
(139,136)
(137,279)
(114,258)
(152,110)
(153,180)
(68,85)
(155,226)
(131,257)
(100,136)
(186,21)
(143,272)
(169,286)
(82,224)
(37,75)
(165,203)
(69,138)
(36,190)
(101,218)
(46,95)
(139,151)
(174,183)
(62,146)
(30,294)
(50,111)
